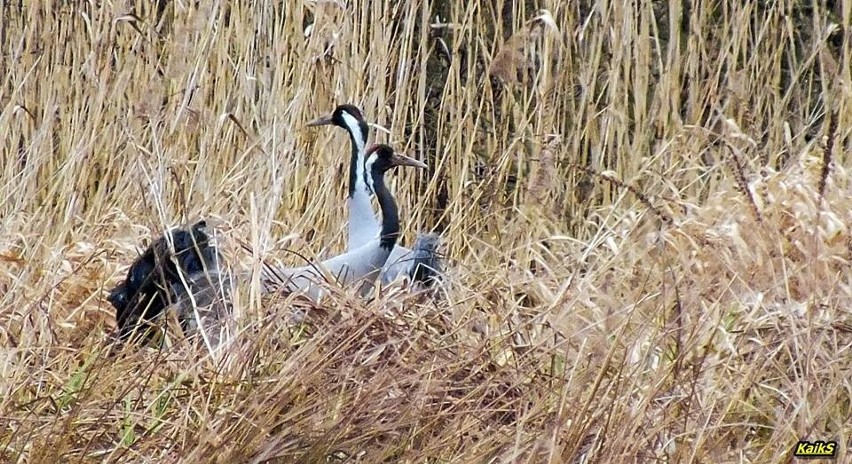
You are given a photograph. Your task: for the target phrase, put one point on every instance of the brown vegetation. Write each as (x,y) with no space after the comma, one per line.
(646,206)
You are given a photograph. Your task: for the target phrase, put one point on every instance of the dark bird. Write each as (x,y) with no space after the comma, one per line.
(181,268)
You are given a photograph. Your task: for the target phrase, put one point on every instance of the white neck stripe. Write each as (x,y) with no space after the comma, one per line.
(355,129)
(358,137)
(368,170)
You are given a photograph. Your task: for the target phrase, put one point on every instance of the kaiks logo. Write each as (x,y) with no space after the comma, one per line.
(816,449)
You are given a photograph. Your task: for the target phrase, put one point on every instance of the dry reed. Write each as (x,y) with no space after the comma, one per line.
(574,327)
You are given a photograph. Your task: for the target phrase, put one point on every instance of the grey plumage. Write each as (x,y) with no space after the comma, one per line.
(203,302)
(426,263)
(360,265)
(421,265)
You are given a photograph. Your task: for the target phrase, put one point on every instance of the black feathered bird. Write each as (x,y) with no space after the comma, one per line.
(181,267)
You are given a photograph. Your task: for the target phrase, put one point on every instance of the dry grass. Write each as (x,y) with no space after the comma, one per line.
(667,280)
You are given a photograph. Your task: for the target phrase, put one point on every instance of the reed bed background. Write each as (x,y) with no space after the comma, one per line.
(645,206)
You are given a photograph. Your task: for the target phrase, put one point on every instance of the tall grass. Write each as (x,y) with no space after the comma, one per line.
(645,206)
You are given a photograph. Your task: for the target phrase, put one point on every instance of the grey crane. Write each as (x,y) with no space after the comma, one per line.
(360,265)
(420,264)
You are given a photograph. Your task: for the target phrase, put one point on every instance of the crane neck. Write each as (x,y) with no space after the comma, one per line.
(390,213)
(358,132)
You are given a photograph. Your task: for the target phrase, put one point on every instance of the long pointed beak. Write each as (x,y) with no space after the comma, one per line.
(402,160)
(323,121)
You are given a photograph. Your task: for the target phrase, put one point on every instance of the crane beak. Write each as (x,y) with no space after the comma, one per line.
(402,160)
(323,121)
